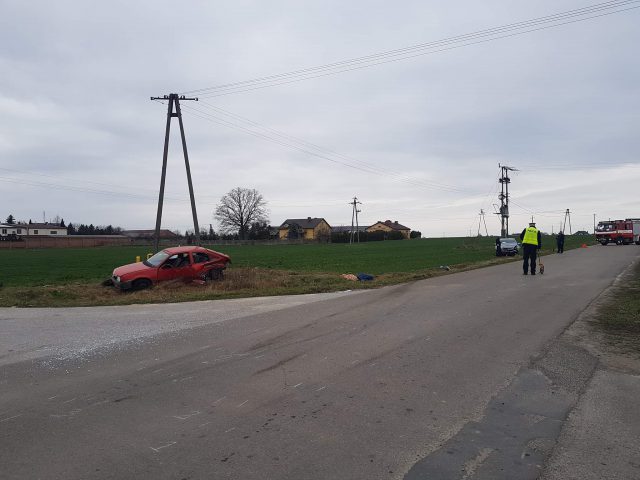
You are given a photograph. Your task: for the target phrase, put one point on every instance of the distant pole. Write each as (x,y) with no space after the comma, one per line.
(567,216)
(594,223)
(482,220)
(174,102)
(354,220)
(504,181)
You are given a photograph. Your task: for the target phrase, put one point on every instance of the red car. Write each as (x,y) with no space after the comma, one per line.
(187,263)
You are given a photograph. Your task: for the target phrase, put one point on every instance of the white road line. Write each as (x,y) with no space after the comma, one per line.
(243,403)
(230,430)
(218,400)
(296,386)
(321,388)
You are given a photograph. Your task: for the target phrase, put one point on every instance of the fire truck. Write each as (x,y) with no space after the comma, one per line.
(620,232)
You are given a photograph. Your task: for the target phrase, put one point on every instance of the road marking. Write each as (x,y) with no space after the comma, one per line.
(10,418)
(218,400)
(157,449)
(70,400)
(259,356)
(51,398)
(203,424)
(188,415)
(243,403)
(230,430)
(321,388)
(158,370)
(296,386)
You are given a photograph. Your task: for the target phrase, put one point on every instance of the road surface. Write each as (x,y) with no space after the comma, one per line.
(460,376)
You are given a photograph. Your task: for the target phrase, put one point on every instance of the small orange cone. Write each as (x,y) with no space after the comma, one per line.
(584,245)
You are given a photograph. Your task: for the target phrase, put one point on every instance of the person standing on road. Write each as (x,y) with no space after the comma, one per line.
(560,242)
(531,243)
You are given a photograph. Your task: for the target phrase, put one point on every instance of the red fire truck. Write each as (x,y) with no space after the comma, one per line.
(620,232)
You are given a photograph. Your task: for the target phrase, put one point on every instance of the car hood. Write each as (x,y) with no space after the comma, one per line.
(131,268)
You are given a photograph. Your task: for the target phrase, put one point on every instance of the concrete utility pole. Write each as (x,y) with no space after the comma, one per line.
(594,223)
(174,101)
(480,221)
(354,217)
(567,215)
(504,181)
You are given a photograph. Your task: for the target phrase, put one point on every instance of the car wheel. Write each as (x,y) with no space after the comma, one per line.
(618,241)
(604,242)
(141,284)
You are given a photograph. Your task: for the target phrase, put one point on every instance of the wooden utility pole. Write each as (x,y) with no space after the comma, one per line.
(173,100)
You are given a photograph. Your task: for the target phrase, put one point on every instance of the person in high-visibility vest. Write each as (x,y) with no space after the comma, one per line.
(531,243)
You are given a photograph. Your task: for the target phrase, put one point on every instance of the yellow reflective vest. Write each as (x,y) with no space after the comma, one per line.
(531,236)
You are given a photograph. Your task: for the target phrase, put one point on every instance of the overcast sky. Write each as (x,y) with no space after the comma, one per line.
(80,138)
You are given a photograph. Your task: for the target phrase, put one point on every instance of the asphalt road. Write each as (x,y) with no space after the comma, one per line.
(359,386)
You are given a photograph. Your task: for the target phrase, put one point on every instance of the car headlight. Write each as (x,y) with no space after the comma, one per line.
(117,278)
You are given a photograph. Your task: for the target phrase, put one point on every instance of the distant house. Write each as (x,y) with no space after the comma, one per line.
(389,226)
(44,229)
(306,228)
(149,234)
(13,230)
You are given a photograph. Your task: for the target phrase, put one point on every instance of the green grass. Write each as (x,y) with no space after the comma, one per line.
(71,277)
(619,316)
(64,266)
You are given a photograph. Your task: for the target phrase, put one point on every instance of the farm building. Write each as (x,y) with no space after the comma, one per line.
(389,226)
(306,228)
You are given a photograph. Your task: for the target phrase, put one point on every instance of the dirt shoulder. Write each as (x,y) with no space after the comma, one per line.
(601,436)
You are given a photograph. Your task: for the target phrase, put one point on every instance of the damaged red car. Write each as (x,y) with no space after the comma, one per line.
(186,263)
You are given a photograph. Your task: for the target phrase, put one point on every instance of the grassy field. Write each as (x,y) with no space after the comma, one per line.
(619,317)
(72,276)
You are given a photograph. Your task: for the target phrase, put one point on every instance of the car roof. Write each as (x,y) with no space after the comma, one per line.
(503,239)
(180,249)
(192,248)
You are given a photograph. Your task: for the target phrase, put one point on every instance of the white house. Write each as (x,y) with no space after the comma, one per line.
(6,230)
(45,229)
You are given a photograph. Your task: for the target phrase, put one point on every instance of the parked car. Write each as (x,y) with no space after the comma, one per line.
(507,246)
(187,263)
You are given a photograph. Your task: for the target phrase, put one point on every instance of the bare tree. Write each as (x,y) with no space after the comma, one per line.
(239,208)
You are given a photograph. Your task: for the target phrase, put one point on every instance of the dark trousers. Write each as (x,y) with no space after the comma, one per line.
(529,252)
(560,247)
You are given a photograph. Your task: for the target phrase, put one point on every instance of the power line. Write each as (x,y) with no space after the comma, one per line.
(313,146)
(291,144)
(519,28)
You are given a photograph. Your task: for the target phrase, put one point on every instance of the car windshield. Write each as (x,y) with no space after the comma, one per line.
(157,259)
(509,241)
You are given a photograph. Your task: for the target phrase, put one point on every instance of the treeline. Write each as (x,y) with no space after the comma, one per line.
(257,231)
(90,229)
(377,236)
